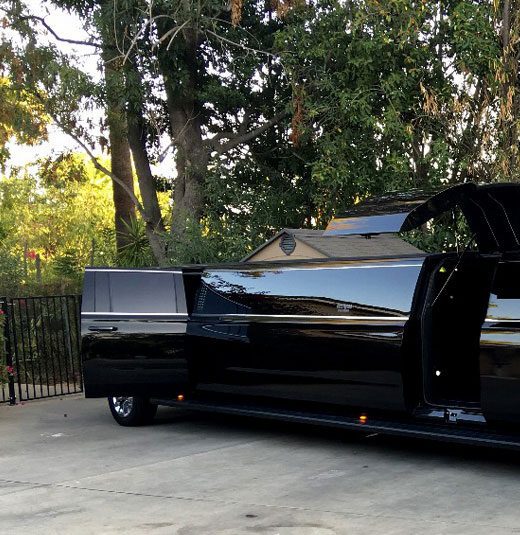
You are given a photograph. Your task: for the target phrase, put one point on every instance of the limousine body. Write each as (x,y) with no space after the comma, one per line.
(420,345)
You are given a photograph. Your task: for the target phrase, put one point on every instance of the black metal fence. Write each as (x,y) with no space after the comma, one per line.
(41,347)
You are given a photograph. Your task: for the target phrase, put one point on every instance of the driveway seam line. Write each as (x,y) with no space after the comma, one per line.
(248,504)
(155,463)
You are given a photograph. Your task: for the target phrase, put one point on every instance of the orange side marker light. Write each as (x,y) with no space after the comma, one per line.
(180,397)
(363,419)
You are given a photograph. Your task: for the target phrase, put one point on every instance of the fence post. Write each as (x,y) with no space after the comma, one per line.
(6,303)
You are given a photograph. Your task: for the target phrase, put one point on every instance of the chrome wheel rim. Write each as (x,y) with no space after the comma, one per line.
(123,405)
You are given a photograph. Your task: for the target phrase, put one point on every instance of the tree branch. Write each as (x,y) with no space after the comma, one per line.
(42,21)
(213,144)
(244,136)
(100,167)
(241,45)
(506,23)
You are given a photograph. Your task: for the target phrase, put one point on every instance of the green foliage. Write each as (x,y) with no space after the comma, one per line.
(22,118)
(47,84)
(394,94)
(137,252)
(473,39)
(448,232)
(11,269)
(252,199)
(206,242)
(65,170)
(68,265)
(61,210)
(5,371)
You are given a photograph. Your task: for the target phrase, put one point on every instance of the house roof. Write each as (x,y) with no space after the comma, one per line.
(352,246)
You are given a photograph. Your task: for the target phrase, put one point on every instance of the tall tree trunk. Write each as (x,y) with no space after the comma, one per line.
(154,223)
(192,164)
(186,114)
(121,164)
(192,156)
(155,229)
(421,170)
(124,210)
(145,176)
(510,88)
(127,139)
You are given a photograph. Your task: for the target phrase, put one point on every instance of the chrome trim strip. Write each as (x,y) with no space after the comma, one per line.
(308,268)
(298,317)
(251,268)
(491,320)
(145,314)
(116,270)
(255,317)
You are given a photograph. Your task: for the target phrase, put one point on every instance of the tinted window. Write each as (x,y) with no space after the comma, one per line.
(88,303)
(368,290)
(102,293)
(135,292)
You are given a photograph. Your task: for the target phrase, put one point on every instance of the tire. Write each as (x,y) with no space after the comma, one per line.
(131,411)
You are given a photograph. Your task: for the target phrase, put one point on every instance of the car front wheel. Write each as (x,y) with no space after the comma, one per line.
(131,411)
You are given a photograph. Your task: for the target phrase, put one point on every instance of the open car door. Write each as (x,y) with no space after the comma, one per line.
(133,325)
(471,311)
(492,212)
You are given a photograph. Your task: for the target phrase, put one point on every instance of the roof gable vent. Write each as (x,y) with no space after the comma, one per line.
(287,244)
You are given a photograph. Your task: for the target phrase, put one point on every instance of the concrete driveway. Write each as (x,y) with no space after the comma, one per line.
(66,467)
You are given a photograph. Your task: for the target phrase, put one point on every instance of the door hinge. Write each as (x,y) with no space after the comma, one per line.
(451,415)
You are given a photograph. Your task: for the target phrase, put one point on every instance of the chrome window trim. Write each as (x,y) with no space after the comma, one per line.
(503,320)
(298,317)
(307,268)
(116,270)
(151,314)
(274,316)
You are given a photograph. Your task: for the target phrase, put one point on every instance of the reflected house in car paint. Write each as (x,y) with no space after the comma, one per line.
(294,244)
(347,290)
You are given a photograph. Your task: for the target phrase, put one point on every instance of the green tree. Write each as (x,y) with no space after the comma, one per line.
(403,94)
(60,211)
(191,72)
(61,91)
(22,118)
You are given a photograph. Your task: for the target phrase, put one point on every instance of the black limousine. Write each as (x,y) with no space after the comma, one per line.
(420,345)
